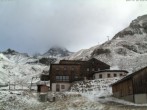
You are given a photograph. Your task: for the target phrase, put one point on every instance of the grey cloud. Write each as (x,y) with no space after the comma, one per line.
(36,25)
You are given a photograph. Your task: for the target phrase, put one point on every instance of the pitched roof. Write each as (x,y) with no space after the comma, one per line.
(98,61)
(84,61)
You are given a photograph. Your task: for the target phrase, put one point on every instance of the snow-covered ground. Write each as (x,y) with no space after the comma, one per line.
(64,101)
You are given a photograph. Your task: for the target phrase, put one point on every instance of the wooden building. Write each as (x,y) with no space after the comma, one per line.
(88,67)
(132,87)
(62,75)
(109,74)
(42,86)
(67,71)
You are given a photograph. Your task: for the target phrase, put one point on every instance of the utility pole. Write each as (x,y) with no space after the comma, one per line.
(14,81)
(31,83)
(9,85)
(9,81)
(108,38)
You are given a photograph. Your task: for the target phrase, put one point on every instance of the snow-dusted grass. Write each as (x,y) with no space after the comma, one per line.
(15,100)
(24,100)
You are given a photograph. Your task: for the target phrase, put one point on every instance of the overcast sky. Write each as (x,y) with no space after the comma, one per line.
(35,25)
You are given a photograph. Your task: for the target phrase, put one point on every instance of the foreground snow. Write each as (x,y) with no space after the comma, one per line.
(64,101)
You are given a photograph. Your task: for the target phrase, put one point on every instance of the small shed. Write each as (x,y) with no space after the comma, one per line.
(132,87)
(42,88)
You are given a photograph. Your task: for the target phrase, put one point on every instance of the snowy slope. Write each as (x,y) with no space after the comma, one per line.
(126,50)
(13,72)
(17,57)
(83,54)
(16,67)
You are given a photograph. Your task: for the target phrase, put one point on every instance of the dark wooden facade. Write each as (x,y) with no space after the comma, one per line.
(88,67)
(140,82)
(123,89)
(71,70)
(64,73)
(132,86)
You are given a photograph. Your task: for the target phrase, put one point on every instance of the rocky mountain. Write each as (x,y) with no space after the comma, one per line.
(126,50)
(54,54)
(57,52)
(18,57)
(19,68)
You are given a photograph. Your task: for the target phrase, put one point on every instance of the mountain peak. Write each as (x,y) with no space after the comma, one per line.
(57,51)
(140,21)
(13,52)
(137,27)
(10,51)
(58,48)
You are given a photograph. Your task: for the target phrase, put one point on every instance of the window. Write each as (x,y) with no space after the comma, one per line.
(62,78)
(57,77)
(65,78)
(100,76)
(87,69)
(62,86)
(115,75)
(108,75)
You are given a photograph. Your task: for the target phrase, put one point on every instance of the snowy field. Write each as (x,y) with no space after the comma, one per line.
(68,101)
(84,95)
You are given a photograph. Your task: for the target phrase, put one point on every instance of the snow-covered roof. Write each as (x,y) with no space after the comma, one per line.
(42,82)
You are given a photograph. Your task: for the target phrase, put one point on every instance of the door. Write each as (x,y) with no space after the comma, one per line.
(57,87)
